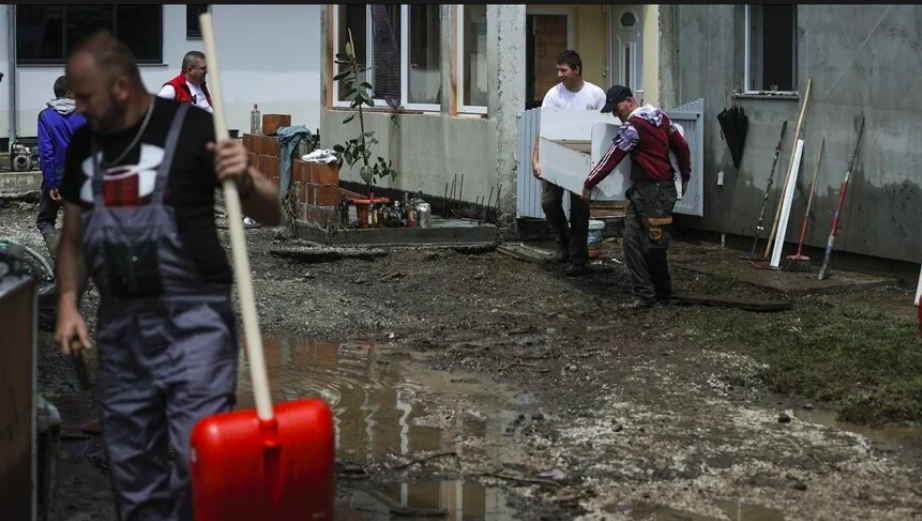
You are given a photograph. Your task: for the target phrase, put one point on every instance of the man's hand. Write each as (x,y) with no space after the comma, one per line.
(54,194)
(71,333)
(586,193)
(258,194)
(231,163)
(536,171)
(684,188)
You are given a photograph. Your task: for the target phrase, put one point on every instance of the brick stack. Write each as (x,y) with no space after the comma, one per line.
(317,188)
(316,185)
(264,155)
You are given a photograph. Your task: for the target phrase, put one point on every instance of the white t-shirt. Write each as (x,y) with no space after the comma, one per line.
(590,97)
(198,95)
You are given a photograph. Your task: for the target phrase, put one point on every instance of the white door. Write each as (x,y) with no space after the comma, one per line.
(626,53)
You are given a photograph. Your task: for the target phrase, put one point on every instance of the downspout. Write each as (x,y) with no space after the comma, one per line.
(11,21)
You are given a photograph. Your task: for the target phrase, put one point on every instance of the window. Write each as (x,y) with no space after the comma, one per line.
(193,11)
(47,33)
(425,71)
(771,48)
(403,44)
(473,60)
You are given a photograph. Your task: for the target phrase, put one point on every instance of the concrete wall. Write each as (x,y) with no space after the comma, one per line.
(428,149)
(269,55)
(864,61)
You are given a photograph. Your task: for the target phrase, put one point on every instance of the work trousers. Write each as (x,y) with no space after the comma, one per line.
(647,221)
(575,235)
(46,219)
(162,368)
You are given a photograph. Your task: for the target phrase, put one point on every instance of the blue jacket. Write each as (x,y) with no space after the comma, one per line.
(56,125)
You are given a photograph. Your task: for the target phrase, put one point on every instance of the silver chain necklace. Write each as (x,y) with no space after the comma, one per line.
(105,164)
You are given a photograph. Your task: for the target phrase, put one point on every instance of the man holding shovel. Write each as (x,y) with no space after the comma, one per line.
(138,187)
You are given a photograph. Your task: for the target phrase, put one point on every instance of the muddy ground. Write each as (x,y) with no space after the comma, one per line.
(536,398)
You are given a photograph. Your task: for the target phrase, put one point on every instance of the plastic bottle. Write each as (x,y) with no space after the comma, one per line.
(255,121)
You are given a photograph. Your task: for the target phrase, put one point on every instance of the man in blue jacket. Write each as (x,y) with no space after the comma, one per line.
(56,125)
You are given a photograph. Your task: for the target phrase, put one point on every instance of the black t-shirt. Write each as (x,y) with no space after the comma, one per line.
(130,182)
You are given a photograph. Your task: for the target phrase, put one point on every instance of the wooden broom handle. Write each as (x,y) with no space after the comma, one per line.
(253,339)
(800,121)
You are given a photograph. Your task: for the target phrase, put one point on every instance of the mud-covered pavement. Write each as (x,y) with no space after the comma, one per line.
(475,386)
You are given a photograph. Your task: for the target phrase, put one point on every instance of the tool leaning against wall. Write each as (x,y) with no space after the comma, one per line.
(834,230)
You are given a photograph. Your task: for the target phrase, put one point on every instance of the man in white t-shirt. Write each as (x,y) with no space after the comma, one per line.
(189,86)
(572,93)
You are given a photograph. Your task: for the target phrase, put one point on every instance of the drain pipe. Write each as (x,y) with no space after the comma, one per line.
(11,22)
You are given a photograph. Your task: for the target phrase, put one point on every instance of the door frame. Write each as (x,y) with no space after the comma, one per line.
(615,34)
(569,12)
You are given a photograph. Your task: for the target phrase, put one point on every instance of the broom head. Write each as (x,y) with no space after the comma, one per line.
(796,262)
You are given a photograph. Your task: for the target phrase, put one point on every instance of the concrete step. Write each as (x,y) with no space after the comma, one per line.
(20,182)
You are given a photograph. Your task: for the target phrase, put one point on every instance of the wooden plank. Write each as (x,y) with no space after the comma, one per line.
(732,302)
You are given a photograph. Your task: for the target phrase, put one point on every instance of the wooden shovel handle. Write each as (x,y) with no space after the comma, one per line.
(253,339)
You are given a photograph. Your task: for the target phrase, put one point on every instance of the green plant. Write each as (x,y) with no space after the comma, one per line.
(359,94)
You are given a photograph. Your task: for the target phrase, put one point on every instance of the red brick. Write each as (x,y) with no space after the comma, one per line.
(310,194)
(276,167)
(273,122)
(327,196)
(268,163)
(270,146)
(248,142)
(262,163)
(327,174)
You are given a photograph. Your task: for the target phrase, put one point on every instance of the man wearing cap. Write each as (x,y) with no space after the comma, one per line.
(647,135)
(573,93)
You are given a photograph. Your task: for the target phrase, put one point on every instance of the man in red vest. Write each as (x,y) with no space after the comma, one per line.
(189,86)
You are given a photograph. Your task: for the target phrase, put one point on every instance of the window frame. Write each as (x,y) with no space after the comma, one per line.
(462,51)
(28,62)
(193,36)
(380,104)
(748,63)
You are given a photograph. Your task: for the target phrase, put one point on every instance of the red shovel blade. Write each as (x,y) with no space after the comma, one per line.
(283,469)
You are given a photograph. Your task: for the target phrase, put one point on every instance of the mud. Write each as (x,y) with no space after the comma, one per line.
(475,386)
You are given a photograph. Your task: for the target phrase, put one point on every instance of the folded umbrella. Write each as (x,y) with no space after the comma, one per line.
(734,125)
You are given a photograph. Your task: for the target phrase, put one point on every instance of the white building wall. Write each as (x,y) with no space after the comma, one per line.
(270,55)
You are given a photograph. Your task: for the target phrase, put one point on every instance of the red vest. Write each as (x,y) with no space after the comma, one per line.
(183,93)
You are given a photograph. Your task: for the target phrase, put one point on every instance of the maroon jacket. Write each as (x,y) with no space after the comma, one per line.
(647,136)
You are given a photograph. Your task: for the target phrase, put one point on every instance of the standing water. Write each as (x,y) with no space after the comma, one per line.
(382,409)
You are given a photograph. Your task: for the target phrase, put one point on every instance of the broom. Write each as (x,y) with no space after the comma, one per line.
(799,261)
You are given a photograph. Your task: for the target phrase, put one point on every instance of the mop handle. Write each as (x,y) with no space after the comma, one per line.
(835,218)
(254,344)
(768,189)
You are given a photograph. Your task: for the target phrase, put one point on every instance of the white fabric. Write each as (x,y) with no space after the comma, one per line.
(198,96)
(590,97)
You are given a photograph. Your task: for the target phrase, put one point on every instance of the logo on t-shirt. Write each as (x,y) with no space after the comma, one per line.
(125,185)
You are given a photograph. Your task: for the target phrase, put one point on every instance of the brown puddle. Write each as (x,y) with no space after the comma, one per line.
(378,409)
(889,437)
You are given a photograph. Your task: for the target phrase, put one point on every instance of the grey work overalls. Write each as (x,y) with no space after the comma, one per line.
(167,346)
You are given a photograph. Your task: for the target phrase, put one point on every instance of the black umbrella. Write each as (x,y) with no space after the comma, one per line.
(734,124)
